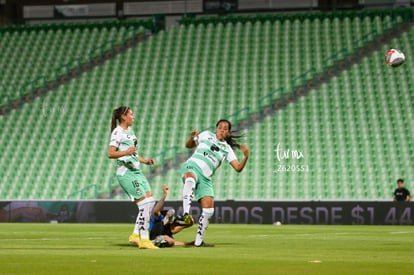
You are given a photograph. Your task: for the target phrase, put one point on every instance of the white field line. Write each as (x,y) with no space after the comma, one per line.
(401,232)
(301,235)
(322,234)
(58,239)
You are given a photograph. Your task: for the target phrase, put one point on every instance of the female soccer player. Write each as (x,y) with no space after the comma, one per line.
(211,150)
(123,148)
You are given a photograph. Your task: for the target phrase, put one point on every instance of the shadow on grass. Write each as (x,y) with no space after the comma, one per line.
(124,245)
(185,246)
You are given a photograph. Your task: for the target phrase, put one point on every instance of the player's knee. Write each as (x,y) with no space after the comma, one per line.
(189,176)
(208,212)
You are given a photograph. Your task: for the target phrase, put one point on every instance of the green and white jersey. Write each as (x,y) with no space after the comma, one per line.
(210,152)
(122,140)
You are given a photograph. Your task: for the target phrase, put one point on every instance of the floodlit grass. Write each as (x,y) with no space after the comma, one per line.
(240,249)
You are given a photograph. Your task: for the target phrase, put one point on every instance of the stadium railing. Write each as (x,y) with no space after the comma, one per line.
(406,15)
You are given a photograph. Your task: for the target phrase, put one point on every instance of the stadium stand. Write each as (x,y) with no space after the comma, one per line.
(192,75)
(36,55)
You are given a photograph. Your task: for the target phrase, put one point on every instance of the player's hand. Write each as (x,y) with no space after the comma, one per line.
(194,133)
(165,189)
(150,162)
(244,149)
(130,150)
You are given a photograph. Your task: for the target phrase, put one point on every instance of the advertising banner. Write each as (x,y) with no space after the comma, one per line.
(236,212)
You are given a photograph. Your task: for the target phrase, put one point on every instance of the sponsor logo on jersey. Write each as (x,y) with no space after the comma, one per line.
(213,159)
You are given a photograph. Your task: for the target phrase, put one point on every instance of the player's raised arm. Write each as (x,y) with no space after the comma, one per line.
(239,166)
(190,143)
(160,204)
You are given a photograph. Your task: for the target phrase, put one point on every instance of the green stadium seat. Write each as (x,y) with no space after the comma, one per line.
(188,77)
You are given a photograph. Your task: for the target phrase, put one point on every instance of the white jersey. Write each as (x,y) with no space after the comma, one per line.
(122,140)
(210,152)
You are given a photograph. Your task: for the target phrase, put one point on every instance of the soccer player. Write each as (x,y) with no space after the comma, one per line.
(401,193)
(164,225)
(123,148)
(197,171)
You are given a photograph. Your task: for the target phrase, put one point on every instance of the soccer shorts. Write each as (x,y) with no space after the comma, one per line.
(134,184)
(204,185)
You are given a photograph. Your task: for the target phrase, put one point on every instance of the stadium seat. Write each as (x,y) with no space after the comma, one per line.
(192,75)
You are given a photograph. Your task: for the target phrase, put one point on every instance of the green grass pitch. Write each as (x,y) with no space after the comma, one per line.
(240,249)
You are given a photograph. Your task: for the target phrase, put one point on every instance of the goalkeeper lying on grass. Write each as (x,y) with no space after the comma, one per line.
(164,224)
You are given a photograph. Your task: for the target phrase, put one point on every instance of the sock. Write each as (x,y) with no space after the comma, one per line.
(188,191)
(143,219)
(206,214)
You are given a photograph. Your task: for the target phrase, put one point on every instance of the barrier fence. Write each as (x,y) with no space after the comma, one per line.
(226,212)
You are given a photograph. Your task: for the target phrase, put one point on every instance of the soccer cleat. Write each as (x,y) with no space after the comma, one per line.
(188,219)
(147,244)
(135,239)
(184,220)
(203,244)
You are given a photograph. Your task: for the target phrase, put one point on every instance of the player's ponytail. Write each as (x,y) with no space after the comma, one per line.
(232,138)
(116,115)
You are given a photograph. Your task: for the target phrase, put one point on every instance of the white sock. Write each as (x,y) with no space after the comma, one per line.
(144,216)
(188,191)
(206,214)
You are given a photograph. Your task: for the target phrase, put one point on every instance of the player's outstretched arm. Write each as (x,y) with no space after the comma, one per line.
(239,166)
(173,242)
(190,143)
(160,204)
(178,243)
